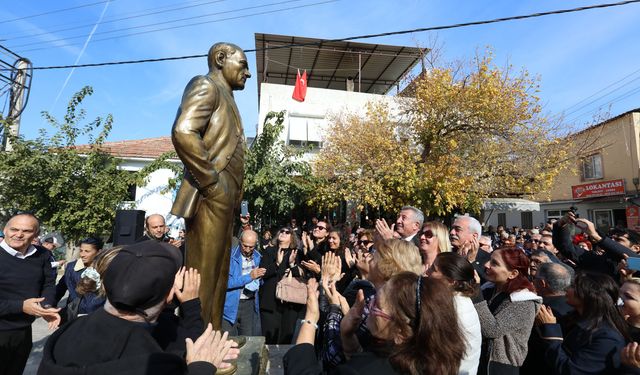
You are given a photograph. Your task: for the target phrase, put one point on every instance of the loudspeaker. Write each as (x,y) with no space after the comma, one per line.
(129,227)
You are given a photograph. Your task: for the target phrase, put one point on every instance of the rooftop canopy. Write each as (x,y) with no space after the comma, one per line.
(374,68)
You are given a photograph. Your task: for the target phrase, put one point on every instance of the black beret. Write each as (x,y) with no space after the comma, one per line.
(141,275)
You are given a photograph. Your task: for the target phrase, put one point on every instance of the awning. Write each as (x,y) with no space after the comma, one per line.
(510,204)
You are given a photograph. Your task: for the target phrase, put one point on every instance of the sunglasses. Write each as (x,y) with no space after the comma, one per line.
(320,227)
(285,231)
(364,242)
(376,311)
(427,233)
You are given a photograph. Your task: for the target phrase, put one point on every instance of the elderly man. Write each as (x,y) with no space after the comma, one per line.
(209,139)
(118,339)
(465,236)
(27,290)
(241,303)
(407,225)
(551,282)
(539,257)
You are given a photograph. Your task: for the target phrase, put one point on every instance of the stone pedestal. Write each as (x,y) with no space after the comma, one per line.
(256,358)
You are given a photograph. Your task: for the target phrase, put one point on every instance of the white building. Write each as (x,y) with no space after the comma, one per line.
(341,77)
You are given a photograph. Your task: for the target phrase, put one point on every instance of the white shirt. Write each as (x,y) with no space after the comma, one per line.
(15,253)
(410,238)
(470,324)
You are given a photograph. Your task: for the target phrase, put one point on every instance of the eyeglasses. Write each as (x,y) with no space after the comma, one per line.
(364,242)
(427,233)
(536,241)
(320,227)
(376,311)
(285,231)
(247,246)
(484,244)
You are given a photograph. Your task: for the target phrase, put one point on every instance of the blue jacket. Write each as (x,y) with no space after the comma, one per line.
(236,284)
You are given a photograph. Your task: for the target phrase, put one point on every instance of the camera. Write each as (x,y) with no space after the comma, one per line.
(574,209)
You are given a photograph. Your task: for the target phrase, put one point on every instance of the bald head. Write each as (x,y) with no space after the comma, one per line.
(248,240)
(20,231)
(155,226)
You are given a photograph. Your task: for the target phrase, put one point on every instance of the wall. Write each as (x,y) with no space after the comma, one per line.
(319,105)
(150,197)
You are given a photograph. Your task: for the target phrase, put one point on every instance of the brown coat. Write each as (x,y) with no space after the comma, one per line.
(205,134)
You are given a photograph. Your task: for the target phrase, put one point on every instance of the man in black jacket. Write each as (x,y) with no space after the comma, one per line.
(27,291)
(117,338)
(585,260)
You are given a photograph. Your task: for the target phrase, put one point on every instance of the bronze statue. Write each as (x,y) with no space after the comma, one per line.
(209,139)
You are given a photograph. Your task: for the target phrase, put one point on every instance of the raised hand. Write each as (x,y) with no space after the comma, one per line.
(311,266)
(383,229)
(330,268)
(191,286)
(212,347)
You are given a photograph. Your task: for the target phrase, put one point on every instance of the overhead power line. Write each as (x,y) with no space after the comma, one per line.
(55,11)
(156,24)
(366,36)
(145,13)
(208,22)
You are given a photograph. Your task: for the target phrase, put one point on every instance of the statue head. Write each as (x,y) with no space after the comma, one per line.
(231,62)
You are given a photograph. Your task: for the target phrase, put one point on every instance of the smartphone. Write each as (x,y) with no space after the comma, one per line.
(244,208)
(634,263)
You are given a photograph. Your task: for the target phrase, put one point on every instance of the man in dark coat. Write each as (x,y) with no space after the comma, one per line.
(116,339)
(27,290)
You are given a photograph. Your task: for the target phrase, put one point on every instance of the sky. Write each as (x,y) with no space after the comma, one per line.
(588,62)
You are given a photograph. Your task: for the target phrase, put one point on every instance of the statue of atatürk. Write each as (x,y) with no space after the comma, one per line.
(209,139)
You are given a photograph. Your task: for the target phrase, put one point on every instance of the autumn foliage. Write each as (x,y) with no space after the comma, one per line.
(466,131)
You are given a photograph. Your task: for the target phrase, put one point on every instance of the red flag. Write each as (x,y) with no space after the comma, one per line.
(300,91)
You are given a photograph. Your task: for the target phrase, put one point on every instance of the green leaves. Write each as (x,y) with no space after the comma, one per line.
(72,190)
(277,179)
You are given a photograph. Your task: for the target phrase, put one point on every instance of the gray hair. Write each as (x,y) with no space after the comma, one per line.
(417,213)
(557,275)
(473,224)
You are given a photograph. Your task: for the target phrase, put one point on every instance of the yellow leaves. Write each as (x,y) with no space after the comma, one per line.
(471,132)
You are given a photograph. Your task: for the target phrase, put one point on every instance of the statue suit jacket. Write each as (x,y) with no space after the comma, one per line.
(205,134)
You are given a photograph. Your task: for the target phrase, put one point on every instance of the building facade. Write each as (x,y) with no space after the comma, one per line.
(602,183)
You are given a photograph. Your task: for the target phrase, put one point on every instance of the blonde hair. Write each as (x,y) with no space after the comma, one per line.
(442,234)
(395,256)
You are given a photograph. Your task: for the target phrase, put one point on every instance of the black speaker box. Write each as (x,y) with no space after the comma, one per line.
(129,227)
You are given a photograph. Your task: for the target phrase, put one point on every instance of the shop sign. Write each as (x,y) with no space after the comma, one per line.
(633,217)
(598,189)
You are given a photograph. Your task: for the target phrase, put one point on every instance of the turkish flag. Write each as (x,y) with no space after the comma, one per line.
(300,91)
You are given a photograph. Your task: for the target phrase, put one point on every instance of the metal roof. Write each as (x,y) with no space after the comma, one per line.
(375,68)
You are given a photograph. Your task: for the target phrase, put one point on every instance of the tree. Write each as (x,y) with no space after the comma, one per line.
(487,121)
(366,160)
(277,178)
(470,131)
(73,191)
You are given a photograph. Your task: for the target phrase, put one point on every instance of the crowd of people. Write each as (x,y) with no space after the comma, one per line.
(407,297)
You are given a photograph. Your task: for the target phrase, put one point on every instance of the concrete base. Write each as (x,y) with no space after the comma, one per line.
(256,358)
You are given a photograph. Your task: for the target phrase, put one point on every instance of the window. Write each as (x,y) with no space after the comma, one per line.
(131,191)
(526,220)
(592,167)
(502,219)
(555,214)
(305,131)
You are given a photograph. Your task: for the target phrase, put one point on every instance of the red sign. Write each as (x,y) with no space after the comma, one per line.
(598,189)
(633,217)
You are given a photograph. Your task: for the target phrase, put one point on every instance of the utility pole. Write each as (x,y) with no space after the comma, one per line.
(21,82)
